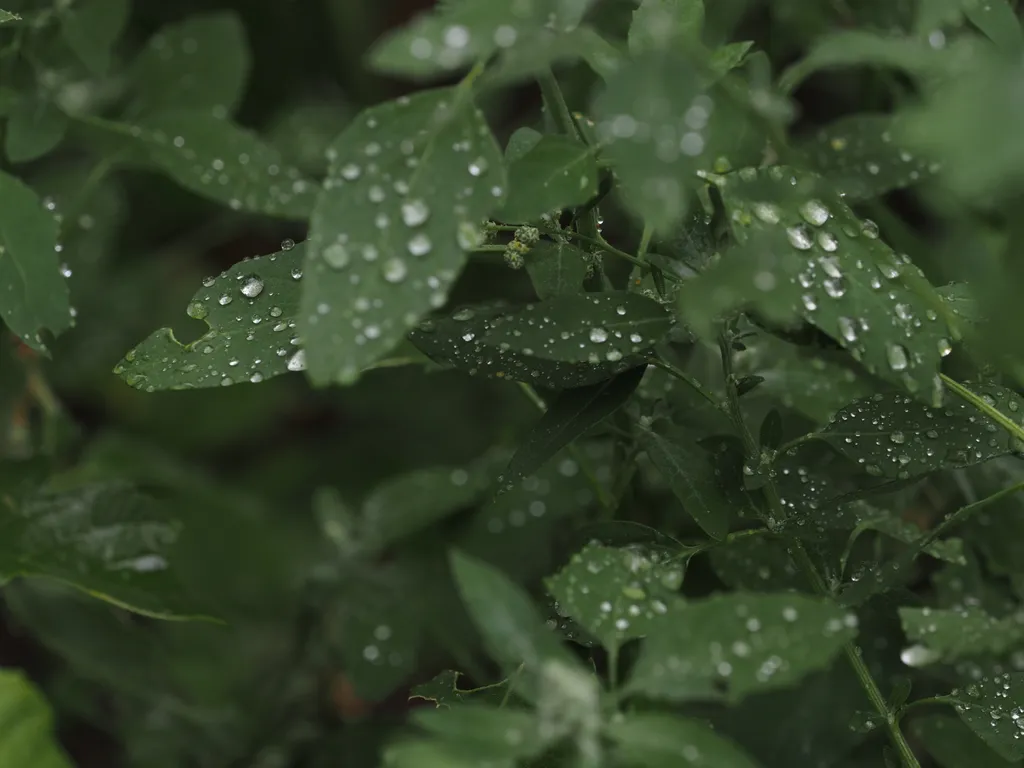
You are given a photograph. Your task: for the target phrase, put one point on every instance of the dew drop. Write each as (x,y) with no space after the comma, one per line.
(814,212)
(351,172)
(395,270)
(897,357)
(945,348)
(598,335)
(767,213)
(799,237)
(252,287)
(336,255)
(415,213)
(419,245)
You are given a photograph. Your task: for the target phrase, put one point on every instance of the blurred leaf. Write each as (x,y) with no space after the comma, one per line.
(998,20)
(727,57)
(688,470)
(200,64)
(659,740)
(92,27)
(34,129)
(547,48)
(303,132)
(555,268)
(616,593)
(226,163)
(556,173)
(251,313)
(665,25)
(953,745)
(987,707)
(26,720)
(443,690)
(35,294)
(951,634)
(384,244)
(951,549)
(569,415)
(757,564)
(520,143)
(8,16)
(488,732)
(893,435)
(861,159)
(737,644)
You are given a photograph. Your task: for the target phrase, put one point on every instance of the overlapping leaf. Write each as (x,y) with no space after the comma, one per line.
(26,722)
(35,128)
(556,173)
(555,268)
(991,707)
(949,634)
(92,27)
(410,182)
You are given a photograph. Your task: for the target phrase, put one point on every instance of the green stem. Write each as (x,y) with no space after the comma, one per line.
(554,103)
(645,242)
(613,667)
(683,376)
(806,564)
(786,447)
(925,702)
(978,402)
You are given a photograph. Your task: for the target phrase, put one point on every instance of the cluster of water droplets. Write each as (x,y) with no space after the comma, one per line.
(995,701)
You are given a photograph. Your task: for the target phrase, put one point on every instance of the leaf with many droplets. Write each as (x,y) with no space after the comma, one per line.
(410,183)
(33,294)
(555,173)
(92,27)
(661,740)
(892,435)
(665,24)
(460,33)
(952,744)
(556,267)
(616,593)
(512,628)
(26,721)
(803,253)
(250,310)
(992,707)
(739,644)
(568,341)
(201,63)
(947,635)
(224,162)
(569,415)
(688,470)
(444,691)
(861,158)
(108,541)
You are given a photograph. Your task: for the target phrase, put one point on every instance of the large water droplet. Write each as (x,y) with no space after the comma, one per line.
(415,212)
(598,335)
(799,237)
(869,229)
(469,236)
(836,288)
(766,212)
(395,270)
(297,362)
(420,245)
(814,212)
(944,347)
(252,287)
(847,329)
(478,167)
(337,255)
(897,357)
(351,171)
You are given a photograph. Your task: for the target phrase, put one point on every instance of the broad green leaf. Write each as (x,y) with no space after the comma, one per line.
(304,131)
(616,593)
(26,721)
(554,174)
(460,33)
(201,63)
(861,158)
(513,630)
(988,707)
(251,312)
(756,563)
(651,119)
(661,740)
(444,691)
(688,470)
(520,143)
(727,57)
(221,161)
(108,541)
(411,181)
(92,27)
(803,253)
(948,635)
(569,415)
(999,22)
(951,550)
(893,435)
(8,16)
(35,295)
(488,732)
(556,267)
(953,745)
(34,129)
(548,48)
(739,643)
(421,753)
(599,336)
(665,24)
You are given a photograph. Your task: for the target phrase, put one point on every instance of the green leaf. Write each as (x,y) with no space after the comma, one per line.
(660,740)
(488,732)
(226,163)
(443,690)
(948,635)
(34,129)
(460,33)
(988,707)
(35,294)
(251,312)
(410,183)
(727,57)
(757,563)
(571,414)
(420,753)
(546,49)
(616,593)
(951,550)
(108,541)
(556,173)
(893,435)
(740,643)
(665,25)
(92,27)
(556,267)
(861,158)
(512,628)
(520,143)
(998,21)
(6,16)
(953,745)
(807,255)
(26,722)
(201,63)
(688,470)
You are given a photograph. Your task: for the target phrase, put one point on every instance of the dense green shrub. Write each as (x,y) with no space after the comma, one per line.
(681,426)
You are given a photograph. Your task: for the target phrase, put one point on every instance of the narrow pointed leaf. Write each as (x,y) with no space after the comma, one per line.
(569,416)
(556,268)
(556,173)
(661,740)
(26,721)
(35,295)
(410,182)
(949,635)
